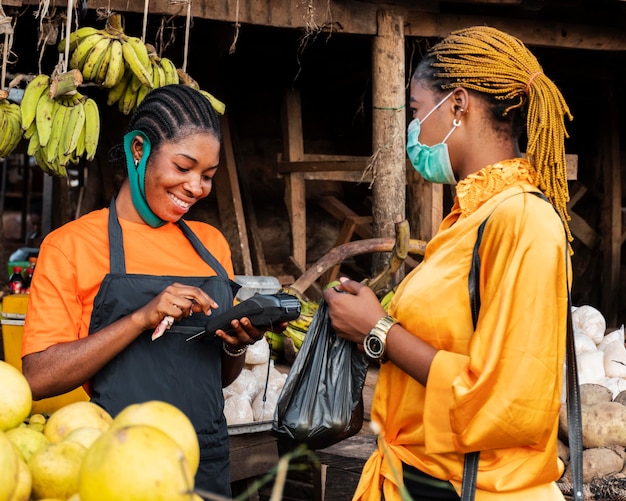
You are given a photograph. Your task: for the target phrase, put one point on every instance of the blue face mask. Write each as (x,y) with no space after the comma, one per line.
(137,178)
(431,162)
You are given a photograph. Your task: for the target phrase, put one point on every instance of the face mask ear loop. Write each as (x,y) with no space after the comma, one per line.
(436,107)
(455,123)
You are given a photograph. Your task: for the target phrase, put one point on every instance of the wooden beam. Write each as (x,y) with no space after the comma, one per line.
(611,211)
(358,17)
(530,31)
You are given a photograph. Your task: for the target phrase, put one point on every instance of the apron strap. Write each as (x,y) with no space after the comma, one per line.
(116,245)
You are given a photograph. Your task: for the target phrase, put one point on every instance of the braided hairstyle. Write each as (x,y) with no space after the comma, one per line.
(173,111)
(509,77)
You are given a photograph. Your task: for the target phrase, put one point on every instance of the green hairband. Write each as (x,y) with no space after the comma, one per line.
(137,179)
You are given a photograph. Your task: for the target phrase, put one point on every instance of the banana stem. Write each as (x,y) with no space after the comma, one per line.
(65,83)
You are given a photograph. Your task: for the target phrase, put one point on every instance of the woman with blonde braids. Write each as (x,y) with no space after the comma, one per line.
(453,380)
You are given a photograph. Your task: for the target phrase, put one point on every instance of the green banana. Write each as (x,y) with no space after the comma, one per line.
(43,118)
(171,75)
(51,150)
(73,127)
(32,93)
(92,128)
(129,100)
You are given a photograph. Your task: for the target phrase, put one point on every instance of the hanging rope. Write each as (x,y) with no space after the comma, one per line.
(68,30)
(145,20)
(7,28)
(187,28)
(237,26)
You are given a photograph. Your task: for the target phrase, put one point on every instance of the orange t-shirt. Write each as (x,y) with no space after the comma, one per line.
(74,259)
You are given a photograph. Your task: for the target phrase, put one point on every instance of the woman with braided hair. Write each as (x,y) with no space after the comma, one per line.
(457,376)
(109,283)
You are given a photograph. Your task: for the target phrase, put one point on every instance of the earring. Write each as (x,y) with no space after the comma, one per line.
(136,162)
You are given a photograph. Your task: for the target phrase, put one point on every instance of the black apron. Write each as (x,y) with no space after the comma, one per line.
(170,369)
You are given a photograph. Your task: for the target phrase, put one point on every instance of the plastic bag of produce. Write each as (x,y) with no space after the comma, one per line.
(321,402)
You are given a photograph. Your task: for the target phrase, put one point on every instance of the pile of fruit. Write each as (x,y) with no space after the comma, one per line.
(285,345)
(79,453)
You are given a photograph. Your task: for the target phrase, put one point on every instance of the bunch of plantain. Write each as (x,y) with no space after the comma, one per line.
(131,91)
(59,130)
(106,56)
(10,125)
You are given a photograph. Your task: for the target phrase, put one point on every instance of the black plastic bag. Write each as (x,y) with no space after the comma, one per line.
(321,402)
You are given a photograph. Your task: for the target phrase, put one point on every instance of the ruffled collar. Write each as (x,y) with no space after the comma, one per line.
(476,188)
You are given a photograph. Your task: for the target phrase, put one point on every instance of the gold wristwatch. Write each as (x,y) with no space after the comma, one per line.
(374,343)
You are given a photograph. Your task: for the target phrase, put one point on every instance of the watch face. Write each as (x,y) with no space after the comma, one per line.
(374,347)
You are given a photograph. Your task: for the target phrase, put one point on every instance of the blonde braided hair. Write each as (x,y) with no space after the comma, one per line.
(489,61)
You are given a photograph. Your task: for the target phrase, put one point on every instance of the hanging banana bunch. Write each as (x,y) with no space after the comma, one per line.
(130,92)
(60,130)
(105,56)
(10,125)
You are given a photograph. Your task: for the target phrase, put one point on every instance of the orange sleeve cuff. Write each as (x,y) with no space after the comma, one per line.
(444,370)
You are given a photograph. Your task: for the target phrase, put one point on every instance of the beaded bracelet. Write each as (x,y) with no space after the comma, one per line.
(233,353)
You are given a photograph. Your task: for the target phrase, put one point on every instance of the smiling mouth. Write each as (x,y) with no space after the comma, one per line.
(179,202)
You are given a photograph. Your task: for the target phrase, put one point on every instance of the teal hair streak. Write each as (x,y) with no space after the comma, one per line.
(137,179)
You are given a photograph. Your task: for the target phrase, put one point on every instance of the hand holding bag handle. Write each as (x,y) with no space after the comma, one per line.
(574,419)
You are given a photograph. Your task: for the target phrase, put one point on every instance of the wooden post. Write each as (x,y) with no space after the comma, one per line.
(389,127)
(295,196)
(611,215)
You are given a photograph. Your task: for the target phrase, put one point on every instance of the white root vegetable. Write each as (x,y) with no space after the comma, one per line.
(590,367)
(615,360)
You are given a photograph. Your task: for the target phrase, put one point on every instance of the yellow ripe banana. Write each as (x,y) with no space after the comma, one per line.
(76,36)
(94,60)
(136,56)
(129,100)
(92,128)
(73,127)
(51,150)
(11,132)
(103,68)
(171,75)
(115,69)
(218,105)
(117,91)
(32,93)
(43,118)
(83,49)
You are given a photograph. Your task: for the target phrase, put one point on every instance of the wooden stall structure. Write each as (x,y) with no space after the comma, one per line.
(590,32)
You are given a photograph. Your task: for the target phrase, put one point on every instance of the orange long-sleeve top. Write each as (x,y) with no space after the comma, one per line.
(496,389)
(74,259)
